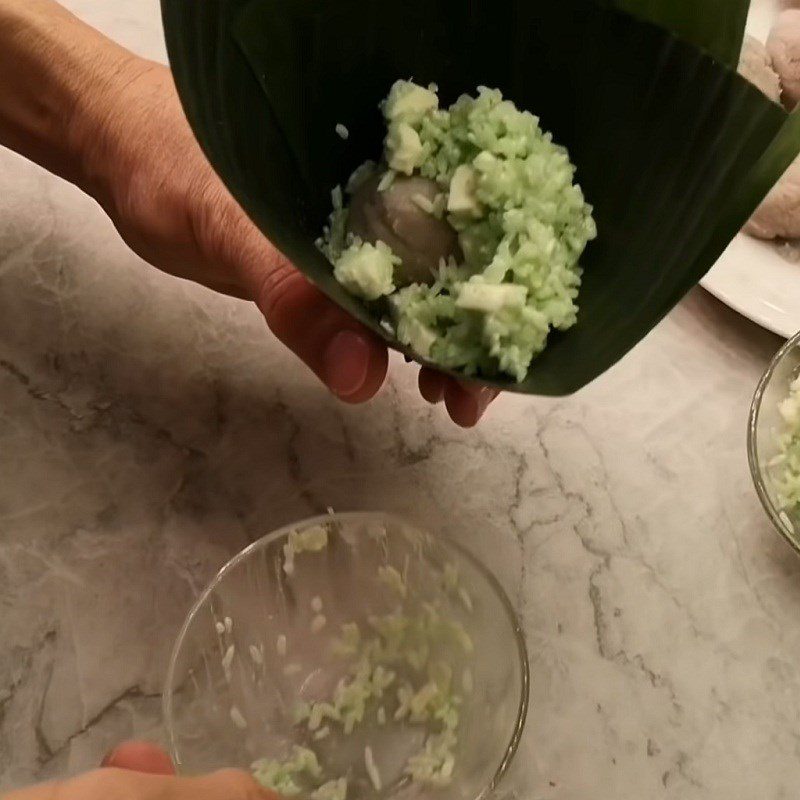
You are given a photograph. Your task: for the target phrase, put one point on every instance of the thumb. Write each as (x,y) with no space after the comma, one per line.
(227,784)
(140,757)
(112,784)
(348,358)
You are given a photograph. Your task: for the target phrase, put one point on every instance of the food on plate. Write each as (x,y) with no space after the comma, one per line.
(466,238)
(783,46)
(778,216)
(784,468)
(775,70)
(755,64)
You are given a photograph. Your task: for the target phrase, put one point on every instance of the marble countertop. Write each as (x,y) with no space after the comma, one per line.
(149,429)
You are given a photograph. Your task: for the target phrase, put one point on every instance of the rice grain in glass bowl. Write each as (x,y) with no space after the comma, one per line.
(766,424)
(274,635)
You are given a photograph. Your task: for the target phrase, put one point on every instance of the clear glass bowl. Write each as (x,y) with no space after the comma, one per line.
(233,686)
(764,424)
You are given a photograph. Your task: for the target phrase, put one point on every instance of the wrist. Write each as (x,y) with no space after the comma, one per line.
(70,77)
(102,145)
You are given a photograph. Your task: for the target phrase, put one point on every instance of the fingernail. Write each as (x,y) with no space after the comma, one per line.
(108,758)
(482,395)
(437,396)
(346,363)
(481,400)
(485,396)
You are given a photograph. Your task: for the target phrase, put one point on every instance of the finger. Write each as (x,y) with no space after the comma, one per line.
(350,360)
(466,403)
(140,757)
(432,385)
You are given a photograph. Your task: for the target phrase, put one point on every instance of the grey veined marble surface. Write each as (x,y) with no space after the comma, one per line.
(149,429)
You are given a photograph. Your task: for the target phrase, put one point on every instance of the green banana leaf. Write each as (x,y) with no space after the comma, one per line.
(714,25)
(673,149)
(719,27)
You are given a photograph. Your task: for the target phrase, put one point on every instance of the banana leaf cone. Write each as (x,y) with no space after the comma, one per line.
(673,149)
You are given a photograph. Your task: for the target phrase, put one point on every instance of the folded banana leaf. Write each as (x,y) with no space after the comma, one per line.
(673,149)
(714,25)
(719,27)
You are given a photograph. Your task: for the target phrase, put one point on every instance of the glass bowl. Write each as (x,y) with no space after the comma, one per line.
(764,426)
(272,636)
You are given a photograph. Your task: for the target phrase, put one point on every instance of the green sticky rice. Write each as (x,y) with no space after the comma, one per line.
(332,790)
(785,466)
(281,776)
(522,225)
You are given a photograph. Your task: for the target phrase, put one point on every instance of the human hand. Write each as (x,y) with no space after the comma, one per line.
(141,771)
(145,167)
(93,113)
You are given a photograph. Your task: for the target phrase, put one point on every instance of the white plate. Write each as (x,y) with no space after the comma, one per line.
(755,278)
(762,15)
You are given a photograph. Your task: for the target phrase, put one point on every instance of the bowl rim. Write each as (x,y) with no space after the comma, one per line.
(283,532)
(756,472)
